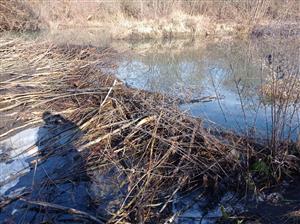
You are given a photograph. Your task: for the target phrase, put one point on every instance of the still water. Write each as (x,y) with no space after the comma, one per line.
(230,72)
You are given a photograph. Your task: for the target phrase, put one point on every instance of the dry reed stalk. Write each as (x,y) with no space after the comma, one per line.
(65,209)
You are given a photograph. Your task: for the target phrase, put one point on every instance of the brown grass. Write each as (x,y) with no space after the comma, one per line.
(17,16)
(244,11)
(150,18)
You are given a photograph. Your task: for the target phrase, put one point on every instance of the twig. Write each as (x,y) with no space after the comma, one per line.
(65,209)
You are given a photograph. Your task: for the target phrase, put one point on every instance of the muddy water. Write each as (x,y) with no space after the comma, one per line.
(231,72)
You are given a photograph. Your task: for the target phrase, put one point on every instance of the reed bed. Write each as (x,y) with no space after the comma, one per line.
(156,149)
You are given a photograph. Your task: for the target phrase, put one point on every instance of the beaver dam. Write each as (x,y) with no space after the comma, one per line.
(81,146)
(99,130)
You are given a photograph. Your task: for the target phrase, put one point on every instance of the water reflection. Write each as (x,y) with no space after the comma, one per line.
(232,71)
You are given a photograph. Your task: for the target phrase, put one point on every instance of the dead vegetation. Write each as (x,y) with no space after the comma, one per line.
(242,12)
(17,16)
(153,145)
(154,19)
(156,149)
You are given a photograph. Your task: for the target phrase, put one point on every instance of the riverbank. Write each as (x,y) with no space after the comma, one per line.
(144,20)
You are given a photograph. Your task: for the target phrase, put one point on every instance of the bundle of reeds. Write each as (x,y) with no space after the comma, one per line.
(158,149)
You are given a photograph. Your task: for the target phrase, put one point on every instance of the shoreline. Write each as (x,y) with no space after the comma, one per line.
(150,31)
